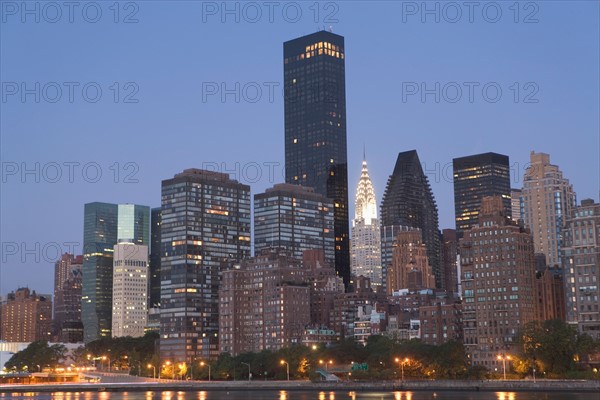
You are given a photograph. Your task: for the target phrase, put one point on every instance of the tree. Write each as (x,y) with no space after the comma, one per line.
(37,356)
(555,346)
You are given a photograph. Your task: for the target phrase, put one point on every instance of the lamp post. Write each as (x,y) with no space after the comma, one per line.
(107,358)
(402,367)
(166,364)
(249,373)
(503,357)
(202,364)
(153,370)
(287,367)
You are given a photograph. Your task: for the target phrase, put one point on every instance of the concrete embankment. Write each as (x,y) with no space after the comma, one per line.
(429,385)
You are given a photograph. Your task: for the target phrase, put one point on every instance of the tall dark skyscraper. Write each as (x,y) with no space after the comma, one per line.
(104,225)
(408,201)
(315,127)
(476,177)
(205,228)
(155,218)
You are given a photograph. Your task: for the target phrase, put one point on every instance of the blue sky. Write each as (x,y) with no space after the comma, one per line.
(167,60)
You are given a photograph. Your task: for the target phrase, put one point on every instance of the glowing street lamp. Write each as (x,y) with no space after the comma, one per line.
(402,362)
(153,370)
(503,357)
(202,364)
(104,358)
(288,368)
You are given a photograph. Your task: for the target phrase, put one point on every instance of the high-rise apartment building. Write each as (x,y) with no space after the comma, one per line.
(410,267)
(365,252)
(130,289)
(294,218)
(67,324)
(104,226)
(408,201)
(26,317)
(498,280)
(264,304)
(315,127)
(476,177)
(581,263)
(548,198)
(205,228)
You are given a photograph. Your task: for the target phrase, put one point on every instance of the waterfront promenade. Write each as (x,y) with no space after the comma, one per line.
(416,385)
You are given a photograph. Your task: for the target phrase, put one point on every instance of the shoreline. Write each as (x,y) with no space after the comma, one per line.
(438,385)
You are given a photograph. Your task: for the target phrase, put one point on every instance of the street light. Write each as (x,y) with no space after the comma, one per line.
(249,373)
(402,367)
(288,368)
(107,358)
(503,358)
(202,364)
(153,370)
(166,364)
(330,362)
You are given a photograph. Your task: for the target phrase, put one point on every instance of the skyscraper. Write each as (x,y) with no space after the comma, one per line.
(205,228)
(581,261)
(67,299)
(498,281)
(130,290)
(408,201)
(104,226)
(365,255)
(99,238)
(548,199)
(315,127)
(293,218)
(476,177)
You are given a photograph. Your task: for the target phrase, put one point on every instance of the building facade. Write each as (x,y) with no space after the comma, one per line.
(315,127)
(130,290)
(581,263)
(408,201)
(410,267)
(498,279)
(365,254)
(516,204)
(67,325)
(155,254)
(264,304)
(294,218)
(205,229)
(26,317)
(548,198)
(476,177)
(449,260)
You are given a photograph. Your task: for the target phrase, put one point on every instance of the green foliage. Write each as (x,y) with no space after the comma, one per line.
(37,356)
(127,353)
(555,346)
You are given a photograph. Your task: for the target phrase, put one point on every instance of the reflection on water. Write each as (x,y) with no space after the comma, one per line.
(296,395)
(506,396)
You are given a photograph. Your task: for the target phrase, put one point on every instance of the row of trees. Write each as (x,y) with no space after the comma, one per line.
(554,348)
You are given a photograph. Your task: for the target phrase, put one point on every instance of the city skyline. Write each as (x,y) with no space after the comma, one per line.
(66,199)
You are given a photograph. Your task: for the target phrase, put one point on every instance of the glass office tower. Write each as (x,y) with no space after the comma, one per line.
(315,127)
(476,177)
(104,226)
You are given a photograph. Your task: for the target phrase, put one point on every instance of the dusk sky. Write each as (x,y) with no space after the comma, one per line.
(176,51)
